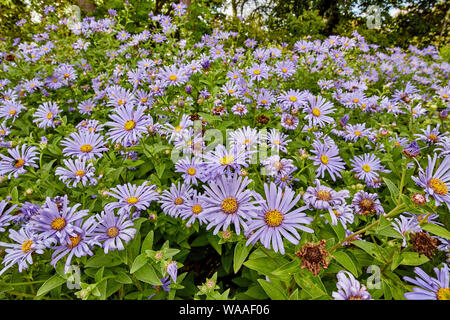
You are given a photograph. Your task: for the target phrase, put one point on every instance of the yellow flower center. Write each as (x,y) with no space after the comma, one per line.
(355,100)
(445,96)
(80,173)
(443,294)
(196,209)
(273,218)
(26,246)
(177,129)
(178,201)
(229,205)
(58,224)
(438,186)
(112,232)
(173,77)
(366,168)
(19,163)
(132,200)
(227,160)
(293,99)
(12,112)
(49,115)
(257,71)
(316,112)
(323,195)
(74,241)
(357,133)
(284,70)
(121,102)
(86,148)
(129,125)
(433,137)
(191,171)
(144,100)
(324,159)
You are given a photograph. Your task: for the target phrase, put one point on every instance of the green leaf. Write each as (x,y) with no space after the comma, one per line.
(396,260)
(347,262)
(310,284)
(385,228)
(241,252)
(14,195)
(214,242)
(288,268)
(147,274)
(413,259)
(437,230)
(51,283)
(262,265)
(148,242)
(122,277)
(139,262)
(102,260)
(368,247)
(272,291)
(392,188)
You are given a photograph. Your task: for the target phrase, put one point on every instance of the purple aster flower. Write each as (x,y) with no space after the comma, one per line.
(276,218)
(317,111)
(355,132)
(367,167)
(328,159)
(11,109)
(79,245)
(86,107)
(174,75)
(26,212)
(349,288)
(292,99)
(274,166)
(289,122)
(18,160)
(221,160)
(131,196)
(20,253)
(429,288)
(57,220)
(323,197)
(412,150)
(436,184)
(367,203)
(229,203)
(172,270)
(193,209)
(192,170)
(46,114)
(5,217)
(405,225)
(258,72)
(277,140)
(78,171)
(239,109)
(128,125)
(84,144)
(285,69)
(172,200)
(113,230)
(431,136)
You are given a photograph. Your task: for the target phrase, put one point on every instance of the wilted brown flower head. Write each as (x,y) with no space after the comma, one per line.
(314,257)
(424,244)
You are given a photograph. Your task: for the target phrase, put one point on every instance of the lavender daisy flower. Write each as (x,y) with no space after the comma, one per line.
(86,106)
(46,114)
(429,288)
(57,219)
(317,111)
(323,197)
(289,122)
(5,217)
(131,196)
(367,203)
(173,199)
(258,72)
(355,132)
(18,160)
(193,209)
(20,253)
(128,125)
(366,167)
(405,225)
(431,136)
(11,110)
(78,171)
(436,184)
(192,170)
(277,140)
(344,214)
(221,160)
(174,75)
(349,288)
(275,218)
(229,203)
(113,230)
(26,212)
(79,245)
(84,144)
(328,159)
(172,270)
(276,166)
